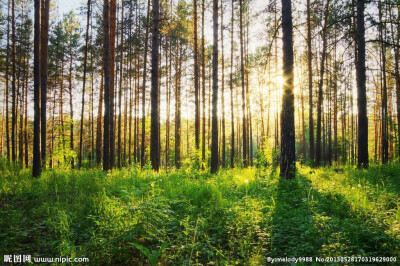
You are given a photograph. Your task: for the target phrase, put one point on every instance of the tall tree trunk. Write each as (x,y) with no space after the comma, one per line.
(99,121)
(71,107)
(120,85)
(129,58)
(44,35)
(335,106)
(53,111)
(351,159)
(303,127)
(397,77)
(83,85)
(385,118)
(36,165)
(248,103)
(92,95)
(243,83)
(154,147)
(320,87)
(14,88)
(223,88)
(288,158)
(276,26)
(203,84)
(178,130)
(310,83)
(209,96)
(196,79)
(329,120)
(2,123)
(146,41)
(169,84)
(21,120)
(344,124)
(214,140)
(61,105)
(107,105)
(363,159)
(231,89)
(159,95)
(26,118)
(8,83)
(125,123)
(130,110)
(113,21)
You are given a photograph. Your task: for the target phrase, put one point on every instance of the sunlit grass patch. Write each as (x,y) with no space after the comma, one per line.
(238,216)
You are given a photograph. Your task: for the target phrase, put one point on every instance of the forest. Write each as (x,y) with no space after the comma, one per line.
(200,132)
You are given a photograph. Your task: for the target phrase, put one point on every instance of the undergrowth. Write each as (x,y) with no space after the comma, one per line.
(239,216)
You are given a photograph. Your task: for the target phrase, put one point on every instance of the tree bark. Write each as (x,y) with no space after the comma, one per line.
(223,155)
(203,85)
(178,130)
(113,21)
(397,76)
(363,159)
(36,165)
(196,79)
(231,89)
(288,158)
(154,147)
(120,86)
(385,118)
(26,118)
(44,35)
(335,107)
(243,83)
(13,87)
(8,152)
(71,108)
(214,139)
(168,96)
(310,83)
(99,121)
(83,85)
(106,66)
(143,147)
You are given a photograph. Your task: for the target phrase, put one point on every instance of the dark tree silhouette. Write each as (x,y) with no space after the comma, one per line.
(288,158)
(36,166)
(361,89)
(106,69)
(154,146)
(44,44)
(214,140)
(196,78)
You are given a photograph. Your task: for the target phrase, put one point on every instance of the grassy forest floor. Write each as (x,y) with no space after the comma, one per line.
(239,216)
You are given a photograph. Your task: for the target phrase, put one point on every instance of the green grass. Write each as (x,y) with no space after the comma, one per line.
(183,217)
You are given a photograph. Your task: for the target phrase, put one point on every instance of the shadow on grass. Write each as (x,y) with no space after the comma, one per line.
(293,230)
(307,222)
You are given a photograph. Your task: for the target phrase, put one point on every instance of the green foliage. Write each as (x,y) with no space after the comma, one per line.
(267,156)
(187,216)
(153,255)
(62,153)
